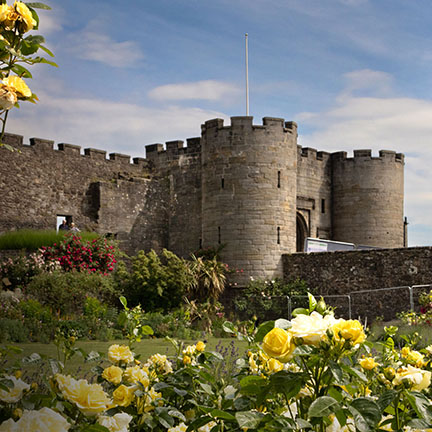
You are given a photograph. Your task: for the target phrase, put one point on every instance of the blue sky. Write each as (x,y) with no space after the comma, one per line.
(354,74)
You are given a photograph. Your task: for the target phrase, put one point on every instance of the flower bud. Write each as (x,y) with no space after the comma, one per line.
(389,372)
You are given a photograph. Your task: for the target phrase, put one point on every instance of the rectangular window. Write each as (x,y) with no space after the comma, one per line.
(278,235)
(222,183)
(279,179)
(219,235)
(323,206)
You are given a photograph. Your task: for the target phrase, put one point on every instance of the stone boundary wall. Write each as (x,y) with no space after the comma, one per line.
(342,273)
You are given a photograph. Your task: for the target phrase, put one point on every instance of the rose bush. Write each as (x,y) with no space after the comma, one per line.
(313,373)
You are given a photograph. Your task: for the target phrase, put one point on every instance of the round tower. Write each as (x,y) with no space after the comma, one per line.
(368,198)
(249,193)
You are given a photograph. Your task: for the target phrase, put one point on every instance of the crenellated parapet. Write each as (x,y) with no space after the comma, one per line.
(364,156)
(173,150)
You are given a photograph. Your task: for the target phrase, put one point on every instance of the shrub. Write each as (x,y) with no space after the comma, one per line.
(66,292)
(72,253)
(155,282)
(264,299)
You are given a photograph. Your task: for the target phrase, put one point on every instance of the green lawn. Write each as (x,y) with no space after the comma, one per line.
(144,349)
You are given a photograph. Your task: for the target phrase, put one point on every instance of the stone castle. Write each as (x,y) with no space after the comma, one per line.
(248,187)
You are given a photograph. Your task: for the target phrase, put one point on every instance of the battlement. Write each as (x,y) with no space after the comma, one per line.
(366,156)
(74,151)
(173,149)
(312,154)
(246,123)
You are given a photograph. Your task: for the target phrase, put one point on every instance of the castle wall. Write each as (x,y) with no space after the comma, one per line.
(314,191)
(180,168)
(105,195)
(368,198)
(342,273)
(243,206)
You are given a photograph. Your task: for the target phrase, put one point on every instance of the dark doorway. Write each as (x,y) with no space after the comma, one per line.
(302,232)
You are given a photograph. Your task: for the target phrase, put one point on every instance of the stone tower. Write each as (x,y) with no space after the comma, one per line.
(368,198)
(249,192)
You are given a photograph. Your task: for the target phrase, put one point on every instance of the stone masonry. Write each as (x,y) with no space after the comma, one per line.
(248,187)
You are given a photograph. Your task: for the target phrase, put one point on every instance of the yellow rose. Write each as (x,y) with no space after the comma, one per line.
(113,374)
(190,350)
(45,420)
(151,397)
(136,374)
(277,344)
(89,398)
(349,330)
(8,98)
(200,346)
(25,18)
(368,363)
(253,365)
(187,360)
(311,328)
(412,357)
(17,85)
(274,365)
(14,394)
(120,353)
(117,423)
(124,396)
(418,379)
(8,16)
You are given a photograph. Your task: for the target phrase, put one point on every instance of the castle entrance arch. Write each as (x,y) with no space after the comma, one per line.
(302,232)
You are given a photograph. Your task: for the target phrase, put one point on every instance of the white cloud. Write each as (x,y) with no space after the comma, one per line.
(205,90)
(111,126)
(377,122)
(95,44)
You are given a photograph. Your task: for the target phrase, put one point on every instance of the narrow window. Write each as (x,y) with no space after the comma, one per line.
(200,244)
(222,182)
(278,235)
(279,178)
(219,235)
(323,206)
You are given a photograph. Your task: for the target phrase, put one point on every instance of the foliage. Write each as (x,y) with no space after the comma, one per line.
(66,292)
(210,252)
(266,299)
(424,317)
(32,240)
(208,279)
(74,254)
(155,282)
(16,50)
(314,373)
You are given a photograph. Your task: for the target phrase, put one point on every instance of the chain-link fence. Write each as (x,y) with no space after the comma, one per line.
(368,305)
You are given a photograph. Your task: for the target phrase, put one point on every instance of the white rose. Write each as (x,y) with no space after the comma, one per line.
(311,328)
(418,378)
(117,423)
(45,420)
(14,394)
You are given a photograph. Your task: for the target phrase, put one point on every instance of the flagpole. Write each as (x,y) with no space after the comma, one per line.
(247,75)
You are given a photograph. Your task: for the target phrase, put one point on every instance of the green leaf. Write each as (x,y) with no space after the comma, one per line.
(199,422)
(123,301)
(419,424)
(206,388)
(249,419)
(222,415)
(355,373)
(300,311)
(228,327)
(21,71)
(286,383)
(421,404)
(43,48)
(38,6)
(366,414)
(35,39)
(312,303)
(177,414)
(146,330)
(337,373)
(32,358)
(263,329)
(323,406)
(303,424)
(282,323)
(386,398)
(241,403)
